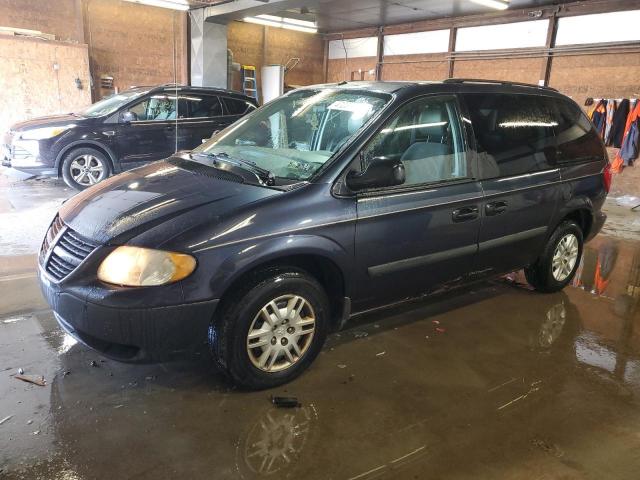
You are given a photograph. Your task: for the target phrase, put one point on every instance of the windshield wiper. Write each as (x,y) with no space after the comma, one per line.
(265,176)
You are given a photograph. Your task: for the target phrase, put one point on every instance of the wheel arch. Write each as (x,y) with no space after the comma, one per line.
(108,152)
(324,265)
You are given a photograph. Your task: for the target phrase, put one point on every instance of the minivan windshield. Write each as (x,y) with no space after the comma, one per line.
(110,104)
(295,135)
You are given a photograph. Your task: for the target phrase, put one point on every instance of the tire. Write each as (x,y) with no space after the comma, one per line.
(544,275)
(98,168)
(246,361)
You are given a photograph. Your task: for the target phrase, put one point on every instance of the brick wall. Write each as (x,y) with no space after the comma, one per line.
(247,42)
(135,43)
(131,42)
(62,18)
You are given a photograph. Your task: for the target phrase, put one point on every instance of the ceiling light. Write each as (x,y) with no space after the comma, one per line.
(281,22)
(294,21)
(497,4)
(172,4)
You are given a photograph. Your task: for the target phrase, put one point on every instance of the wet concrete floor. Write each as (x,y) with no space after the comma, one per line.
(493,381)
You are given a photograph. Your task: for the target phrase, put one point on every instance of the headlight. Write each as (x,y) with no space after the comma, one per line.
(142,267)
(42,133)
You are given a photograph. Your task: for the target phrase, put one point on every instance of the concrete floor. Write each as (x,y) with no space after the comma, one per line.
(490,382)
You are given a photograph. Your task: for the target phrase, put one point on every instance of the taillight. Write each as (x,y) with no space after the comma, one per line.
(606,177)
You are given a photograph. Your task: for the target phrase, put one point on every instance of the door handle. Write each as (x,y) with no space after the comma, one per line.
(495,208)
(464,214)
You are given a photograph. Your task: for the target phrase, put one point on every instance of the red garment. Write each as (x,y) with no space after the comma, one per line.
(618,164)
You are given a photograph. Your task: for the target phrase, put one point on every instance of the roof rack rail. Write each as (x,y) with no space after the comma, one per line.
(497,82)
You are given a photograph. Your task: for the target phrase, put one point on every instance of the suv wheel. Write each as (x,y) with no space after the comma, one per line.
(272,330)
(557,265)
(84,167)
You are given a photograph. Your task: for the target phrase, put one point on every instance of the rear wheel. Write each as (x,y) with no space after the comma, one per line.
(84,167)
(272,330)
(557,265)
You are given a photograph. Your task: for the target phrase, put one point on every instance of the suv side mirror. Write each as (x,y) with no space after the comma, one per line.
(128,117)
(381,172)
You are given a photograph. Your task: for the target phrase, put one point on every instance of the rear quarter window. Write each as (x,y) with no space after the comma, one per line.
(234,106)
(577,139)
(514,132)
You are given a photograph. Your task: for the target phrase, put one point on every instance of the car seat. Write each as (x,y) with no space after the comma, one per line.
(428,158)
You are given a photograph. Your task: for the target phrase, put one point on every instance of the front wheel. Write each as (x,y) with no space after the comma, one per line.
(272,330)
(84,167)
(557,265)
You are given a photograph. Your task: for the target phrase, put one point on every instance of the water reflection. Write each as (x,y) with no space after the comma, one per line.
(477,383)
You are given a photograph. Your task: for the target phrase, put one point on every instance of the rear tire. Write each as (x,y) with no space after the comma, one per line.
(85,167)
(556,266)
(272,330)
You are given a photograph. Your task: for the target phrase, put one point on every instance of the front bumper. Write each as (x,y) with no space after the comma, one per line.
(132,335)
(24,155)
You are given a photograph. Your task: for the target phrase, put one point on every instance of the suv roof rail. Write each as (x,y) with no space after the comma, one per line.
(497,82)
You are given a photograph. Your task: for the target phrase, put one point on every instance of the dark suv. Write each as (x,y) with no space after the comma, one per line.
(120,132)
(329,201)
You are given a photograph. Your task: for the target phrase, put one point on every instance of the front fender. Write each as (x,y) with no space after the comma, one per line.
(251,256)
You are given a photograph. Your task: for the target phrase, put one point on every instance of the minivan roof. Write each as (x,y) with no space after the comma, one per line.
(449,85)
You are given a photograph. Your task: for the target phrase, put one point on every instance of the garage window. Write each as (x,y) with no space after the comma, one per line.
(506,35)
(599,28)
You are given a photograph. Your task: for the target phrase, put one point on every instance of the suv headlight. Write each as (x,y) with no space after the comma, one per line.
(142,267)
(43,133)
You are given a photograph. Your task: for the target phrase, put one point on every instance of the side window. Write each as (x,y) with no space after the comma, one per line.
(233,106)
(425,136)
(577,139)
(202,106)
(514,132)
(140,110)
(157,108)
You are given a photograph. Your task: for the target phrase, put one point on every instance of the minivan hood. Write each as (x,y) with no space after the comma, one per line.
(127,204)
(49,121)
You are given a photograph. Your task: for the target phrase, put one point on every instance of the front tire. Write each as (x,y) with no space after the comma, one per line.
(84,167)
(556,266)
(272,330)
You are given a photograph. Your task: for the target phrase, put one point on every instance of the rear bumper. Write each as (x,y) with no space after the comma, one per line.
(132,335)
(599,219)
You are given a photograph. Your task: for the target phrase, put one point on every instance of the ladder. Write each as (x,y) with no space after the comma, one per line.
(249,81)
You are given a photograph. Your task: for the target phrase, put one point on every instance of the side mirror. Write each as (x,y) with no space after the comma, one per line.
(128,117)
(381,172)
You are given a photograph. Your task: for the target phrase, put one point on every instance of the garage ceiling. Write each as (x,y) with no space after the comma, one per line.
(340,15)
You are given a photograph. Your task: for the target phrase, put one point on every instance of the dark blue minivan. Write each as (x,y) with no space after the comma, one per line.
(329,201)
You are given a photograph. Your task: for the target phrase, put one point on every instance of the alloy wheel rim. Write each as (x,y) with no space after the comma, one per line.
(87,170)
(565,257)
(281,333)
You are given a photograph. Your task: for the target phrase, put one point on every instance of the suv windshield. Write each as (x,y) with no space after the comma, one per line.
(110,104)
(293,136)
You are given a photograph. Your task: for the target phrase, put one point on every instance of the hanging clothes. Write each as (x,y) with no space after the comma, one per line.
(629,149)
(619,123)
(611,109)
(599,117)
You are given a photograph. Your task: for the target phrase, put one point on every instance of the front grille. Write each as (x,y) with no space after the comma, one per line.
(52,233)
(65,248)
(19,153)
